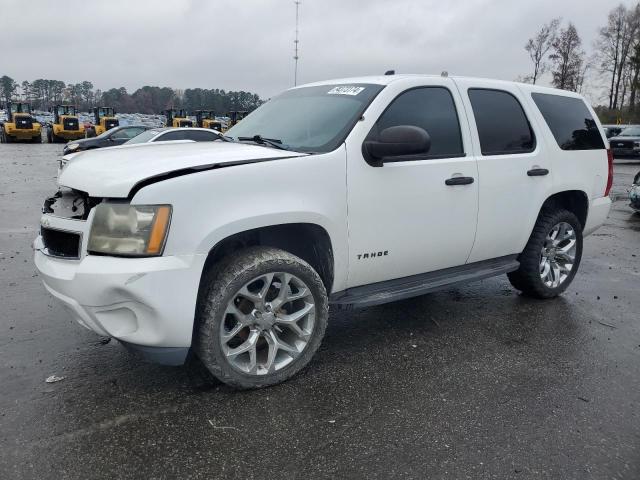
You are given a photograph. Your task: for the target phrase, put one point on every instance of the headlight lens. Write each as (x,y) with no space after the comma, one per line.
(129,230)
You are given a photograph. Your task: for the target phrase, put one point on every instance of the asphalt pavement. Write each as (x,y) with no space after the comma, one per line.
(474,382)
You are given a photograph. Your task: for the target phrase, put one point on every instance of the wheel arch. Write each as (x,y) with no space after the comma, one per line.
(575,201)
(309,241)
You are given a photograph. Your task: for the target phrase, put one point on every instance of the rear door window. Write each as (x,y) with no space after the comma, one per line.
(570,122)
(502,125)
(201,136)
(173,135)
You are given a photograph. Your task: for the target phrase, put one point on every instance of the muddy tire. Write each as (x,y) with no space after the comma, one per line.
(552,256)
(261,316)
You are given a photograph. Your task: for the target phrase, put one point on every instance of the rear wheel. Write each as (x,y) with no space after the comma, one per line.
(37,139)
(261,317)
(552,256)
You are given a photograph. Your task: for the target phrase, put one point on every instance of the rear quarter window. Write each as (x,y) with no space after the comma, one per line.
(570,121)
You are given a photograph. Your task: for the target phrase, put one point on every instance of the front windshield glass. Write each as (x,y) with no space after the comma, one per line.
(630,132)
(144,137)
(309,119)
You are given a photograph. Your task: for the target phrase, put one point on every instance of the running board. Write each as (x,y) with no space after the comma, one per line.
(416,285)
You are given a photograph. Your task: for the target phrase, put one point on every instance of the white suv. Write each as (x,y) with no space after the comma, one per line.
(349,192)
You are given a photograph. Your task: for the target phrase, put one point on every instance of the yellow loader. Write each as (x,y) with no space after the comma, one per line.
(20,125)
(66,125)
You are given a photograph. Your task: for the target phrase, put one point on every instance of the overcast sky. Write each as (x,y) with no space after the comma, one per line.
(248,44)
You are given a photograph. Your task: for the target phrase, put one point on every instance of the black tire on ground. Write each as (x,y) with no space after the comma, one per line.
(8,138)
(222,282)
(37,139)
(527,278)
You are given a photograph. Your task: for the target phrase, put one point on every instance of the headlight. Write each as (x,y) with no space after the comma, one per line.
(129,230)
(73,146)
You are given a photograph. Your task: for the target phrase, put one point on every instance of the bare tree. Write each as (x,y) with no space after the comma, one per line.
(614,46)
(538,47)
(567,58)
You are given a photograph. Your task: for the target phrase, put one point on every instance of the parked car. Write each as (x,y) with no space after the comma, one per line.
(167,134)
(634,193)
(613,130)
(110,138)
(350,192)
(156,135)
(626,143)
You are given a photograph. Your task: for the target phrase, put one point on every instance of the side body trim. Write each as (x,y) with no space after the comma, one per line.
(415,285)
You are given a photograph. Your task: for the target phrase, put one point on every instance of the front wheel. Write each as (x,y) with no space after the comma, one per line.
(261,316)
(552,256)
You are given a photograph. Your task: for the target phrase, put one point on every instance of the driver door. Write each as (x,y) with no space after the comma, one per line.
(404,218)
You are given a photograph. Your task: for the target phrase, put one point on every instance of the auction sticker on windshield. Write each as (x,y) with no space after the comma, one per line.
(345,90)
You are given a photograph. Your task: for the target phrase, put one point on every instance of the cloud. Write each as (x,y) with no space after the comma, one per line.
(248,45)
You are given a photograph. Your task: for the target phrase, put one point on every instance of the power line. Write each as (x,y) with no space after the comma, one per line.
(295,43)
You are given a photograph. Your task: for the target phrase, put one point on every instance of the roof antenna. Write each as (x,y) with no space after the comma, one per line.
(390,72)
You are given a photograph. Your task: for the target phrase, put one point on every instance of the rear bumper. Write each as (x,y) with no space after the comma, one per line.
(598,212)
(146,303)
(69,134)
(23,133)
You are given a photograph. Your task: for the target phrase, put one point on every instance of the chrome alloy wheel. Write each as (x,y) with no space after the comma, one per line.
(267,323)
(558,255)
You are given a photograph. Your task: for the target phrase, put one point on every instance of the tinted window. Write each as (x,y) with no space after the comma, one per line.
(570,122)
(144,137)
(174,135)
(200,136)
(127,133)
(432,109)
(503,127)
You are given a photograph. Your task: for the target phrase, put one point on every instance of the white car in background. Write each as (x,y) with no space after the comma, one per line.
(159,135)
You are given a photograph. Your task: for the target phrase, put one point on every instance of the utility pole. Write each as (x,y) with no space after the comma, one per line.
(295,43)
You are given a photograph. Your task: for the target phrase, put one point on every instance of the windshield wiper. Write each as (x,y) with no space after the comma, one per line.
(260,140)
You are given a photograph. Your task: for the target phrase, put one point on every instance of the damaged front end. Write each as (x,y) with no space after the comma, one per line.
(63,225)
(70,203)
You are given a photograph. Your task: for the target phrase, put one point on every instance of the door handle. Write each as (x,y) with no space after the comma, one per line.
(538,172)
(459,181)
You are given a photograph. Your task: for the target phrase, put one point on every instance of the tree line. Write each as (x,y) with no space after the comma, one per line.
(613,63)
(43,93)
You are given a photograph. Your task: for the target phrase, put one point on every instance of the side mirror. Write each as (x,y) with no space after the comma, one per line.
(396,142)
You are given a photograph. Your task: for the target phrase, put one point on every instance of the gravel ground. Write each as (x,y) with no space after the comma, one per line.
(473,382)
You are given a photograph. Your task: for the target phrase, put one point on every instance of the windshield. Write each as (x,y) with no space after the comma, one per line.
(309,119)
(144,137)
(630,132)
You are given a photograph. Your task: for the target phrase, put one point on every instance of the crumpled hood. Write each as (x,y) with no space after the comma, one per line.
(114,172)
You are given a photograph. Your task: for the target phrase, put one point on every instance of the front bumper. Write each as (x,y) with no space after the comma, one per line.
(146,303)
(598,212)
(626,152)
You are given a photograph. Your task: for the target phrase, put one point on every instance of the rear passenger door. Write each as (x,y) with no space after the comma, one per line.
(513,165)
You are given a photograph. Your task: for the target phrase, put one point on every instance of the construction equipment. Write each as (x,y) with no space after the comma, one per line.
(177,118)
(105,119)
(207,119)
(20,125)
(235,117)
(65,126)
